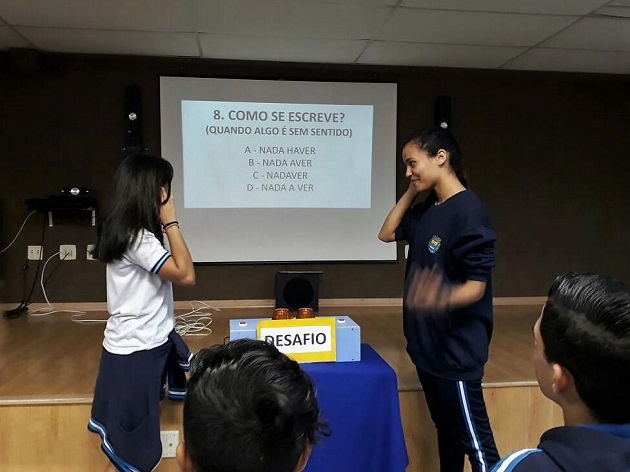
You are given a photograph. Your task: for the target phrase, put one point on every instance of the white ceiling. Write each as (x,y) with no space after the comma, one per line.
(550,35)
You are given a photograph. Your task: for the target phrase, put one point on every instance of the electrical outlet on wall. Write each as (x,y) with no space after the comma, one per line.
(34,253)
(170,440)
(68,252)
(88,253)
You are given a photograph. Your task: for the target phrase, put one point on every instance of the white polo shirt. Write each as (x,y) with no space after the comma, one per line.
(139,302)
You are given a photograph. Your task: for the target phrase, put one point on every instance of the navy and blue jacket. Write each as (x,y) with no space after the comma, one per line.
(456,236)
(177,363)
(587,448)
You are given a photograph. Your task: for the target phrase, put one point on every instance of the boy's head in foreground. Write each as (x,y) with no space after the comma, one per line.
(582,348)
(248,408)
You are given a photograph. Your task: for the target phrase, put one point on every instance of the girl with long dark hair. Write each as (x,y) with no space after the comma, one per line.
(140,336)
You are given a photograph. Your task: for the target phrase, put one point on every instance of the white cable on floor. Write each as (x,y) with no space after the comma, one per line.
(49,310)
(193,323)
(196,322)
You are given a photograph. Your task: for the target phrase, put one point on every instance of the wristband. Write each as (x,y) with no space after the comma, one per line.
(166,226)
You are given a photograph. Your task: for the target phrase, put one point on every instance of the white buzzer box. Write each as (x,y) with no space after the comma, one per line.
(347,335)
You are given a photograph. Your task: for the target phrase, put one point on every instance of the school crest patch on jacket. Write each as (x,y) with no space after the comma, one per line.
(434,244)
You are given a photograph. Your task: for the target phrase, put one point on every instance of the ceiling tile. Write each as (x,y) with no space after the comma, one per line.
(550,7)
(604,34)
(613,12)
(291,19)
(437,55)
(10,39)
(111,42)
(353,2)
(489,29)
(138,15)
(279,49)
(451,33)
(572,60)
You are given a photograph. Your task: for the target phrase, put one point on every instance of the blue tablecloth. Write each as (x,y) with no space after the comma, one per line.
(359,401)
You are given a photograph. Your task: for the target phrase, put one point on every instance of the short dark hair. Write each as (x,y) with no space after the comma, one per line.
(248,408)
(585,327)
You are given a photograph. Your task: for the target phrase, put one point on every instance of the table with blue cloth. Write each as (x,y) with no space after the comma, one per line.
(359,402)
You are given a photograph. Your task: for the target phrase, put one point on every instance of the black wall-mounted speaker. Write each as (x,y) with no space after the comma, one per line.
(442,111)
(133,120)
(297,290)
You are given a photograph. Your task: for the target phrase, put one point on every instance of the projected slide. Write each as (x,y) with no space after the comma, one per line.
(280,170)
(276,155)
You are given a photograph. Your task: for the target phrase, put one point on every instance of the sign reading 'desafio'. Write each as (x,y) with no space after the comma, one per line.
(307,340)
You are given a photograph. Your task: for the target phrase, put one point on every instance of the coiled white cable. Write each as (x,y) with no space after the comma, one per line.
(196,322)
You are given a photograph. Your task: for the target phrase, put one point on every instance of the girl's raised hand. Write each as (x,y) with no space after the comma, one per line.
(427,290)
(167,210)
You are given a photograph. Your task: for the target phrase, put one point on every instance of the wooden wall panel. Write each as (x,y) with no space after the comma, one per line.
(51,438)
(519,415)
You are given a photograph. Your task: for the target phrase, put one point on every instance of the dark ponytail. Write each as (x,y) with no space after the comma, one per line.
(432,140)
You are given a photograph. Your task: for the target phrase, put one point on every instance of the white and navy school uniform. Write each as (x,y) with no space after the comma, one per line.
(586,448)
(136,347)
(450,349)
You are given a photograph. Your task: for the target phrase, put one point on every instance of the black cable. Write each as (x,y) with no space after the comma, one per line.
(61,259)
(39,263)
(22,307)
(15,312)
(26,300)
